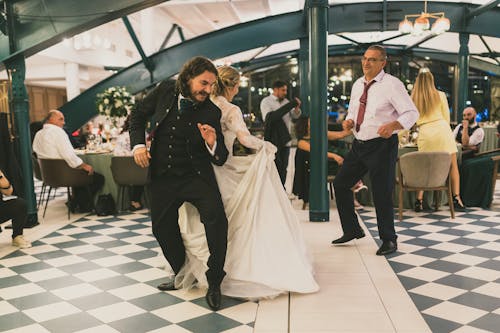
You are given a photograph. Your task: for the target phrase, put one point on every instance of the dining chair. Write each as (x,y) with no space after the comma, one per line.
(126,173)
(57,173)
(425,171)
(37,172)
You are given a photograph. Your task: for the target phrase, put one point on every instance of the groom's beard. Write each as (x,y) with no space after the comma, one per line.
(471,121)
(198,97)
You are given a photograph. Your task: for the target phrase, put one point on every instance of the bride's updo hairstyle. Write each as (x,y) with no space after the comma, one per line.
(228,77)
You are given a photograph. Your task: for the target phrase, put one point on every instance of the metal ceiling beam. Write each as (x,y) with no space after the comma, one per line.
(396,50)
(368,16)
(484,8)
(389,38)
(149,65)
(217,44)
(357,17)
(492,55)
(349,39)
(423,40)
(384,15)
(35,25)
(168,36)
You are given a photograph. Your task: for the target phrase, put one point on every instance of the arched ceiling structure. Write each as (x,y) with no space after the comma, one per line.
(225,31)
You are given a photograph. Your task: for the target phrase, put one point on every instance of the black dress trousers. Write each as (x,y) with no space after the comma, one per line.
(378,158)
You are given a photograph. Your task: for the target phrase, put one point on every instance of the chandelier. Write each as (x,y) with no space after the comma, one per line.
(422,23)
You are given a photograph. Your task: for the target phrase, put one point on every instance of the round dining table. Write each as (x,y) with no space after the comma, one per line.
(101,162)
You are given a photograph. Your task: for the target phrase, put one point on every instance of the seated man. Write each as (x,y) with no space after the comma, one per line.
(52,142)
(15,209)
(469,134)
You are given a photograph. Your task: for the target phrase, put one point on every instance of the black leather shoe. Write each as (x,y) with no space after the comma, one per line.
(347,238)
(213,298)
(169,285)
(387,247)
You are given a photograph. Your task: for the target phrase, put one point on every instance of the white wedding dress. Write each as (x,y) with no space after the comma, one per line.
(266,253)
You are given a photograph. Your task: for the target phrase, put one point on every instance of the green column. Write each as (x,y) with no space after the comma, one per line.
(319,205)
(463,73)
(304,75)
(20,107)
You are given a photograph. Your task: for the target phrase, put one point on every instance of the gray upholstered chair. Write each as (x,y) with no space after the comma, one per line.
(57,173)
(127,173)
(425,171)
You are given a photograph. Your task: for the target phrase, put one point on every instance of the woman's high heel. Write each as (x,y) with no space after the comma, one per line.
(458,205)
(419,205)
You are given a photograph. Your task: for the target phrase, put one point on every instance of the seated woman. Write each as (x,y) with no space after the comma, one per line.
(434,130)
(15,209)
(122,148)
(302,169)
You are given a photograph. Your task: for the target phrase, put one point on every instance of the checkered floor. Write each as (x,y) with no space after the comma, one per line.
(98,274)
(450,268)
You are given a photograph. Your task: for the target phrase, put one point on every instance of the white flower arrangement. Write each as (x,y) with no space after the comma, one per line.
(114,102)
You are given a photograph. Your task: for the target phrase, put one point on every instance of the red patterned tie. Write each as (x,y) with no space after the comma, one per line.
(362,105)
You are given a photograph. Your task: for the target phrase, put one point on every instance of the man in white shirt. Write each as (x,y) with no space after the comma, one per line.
(468,133)
(277,113)
(375,115)
(52,142)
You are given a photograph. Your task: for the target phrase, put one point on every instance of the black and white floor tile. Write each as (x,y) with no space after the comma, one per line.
(99,274)
(450,267)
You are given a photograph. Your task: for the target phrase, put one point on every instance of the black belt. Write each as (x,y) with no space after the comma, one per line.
(379,139)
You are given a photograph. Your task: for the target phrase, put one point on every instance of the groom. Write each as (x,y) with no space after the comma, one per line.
(186,139)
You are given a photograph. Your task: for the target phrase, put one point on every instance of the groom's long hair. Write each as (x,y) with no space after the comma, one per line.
(191,69)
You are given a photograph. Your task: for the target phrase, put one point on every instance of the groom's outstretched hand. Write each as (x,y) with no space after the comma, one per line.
(208,134)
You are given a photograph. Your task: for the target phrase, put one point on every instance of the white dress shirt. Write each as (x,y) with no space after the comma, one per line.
(476,138)
(272,103)
(387,101)
(52,142)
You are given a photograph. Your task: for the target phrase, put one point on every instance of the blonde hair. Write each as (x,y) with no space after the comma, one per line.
(424,93)
(228,77)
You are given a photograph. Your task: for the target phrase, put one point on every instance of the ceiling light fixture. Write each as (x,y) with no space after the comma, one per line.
(422,23)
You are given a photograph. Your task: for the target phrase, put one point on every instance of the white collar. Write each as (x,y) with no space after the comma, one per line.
(377,78)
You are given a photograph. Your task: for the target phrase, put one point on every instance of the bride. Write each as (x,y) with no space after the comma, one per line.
(266,253)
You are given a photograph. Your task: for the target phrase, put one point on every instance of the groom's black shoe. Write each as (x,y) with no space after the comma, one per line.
(387,247)
(347,238)
(169,285)
(213,298)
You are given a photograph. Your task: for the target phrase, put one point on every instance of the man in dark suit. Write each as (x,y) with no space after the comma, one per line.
(277,113)
(186,139)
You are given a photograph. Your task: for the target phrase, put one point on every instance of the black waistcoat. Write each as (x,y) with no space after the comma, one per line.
(470,130)
(172,147)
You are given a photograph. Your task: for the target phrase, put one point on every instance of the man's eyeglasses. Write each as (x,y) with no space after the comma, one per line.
(371,60)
